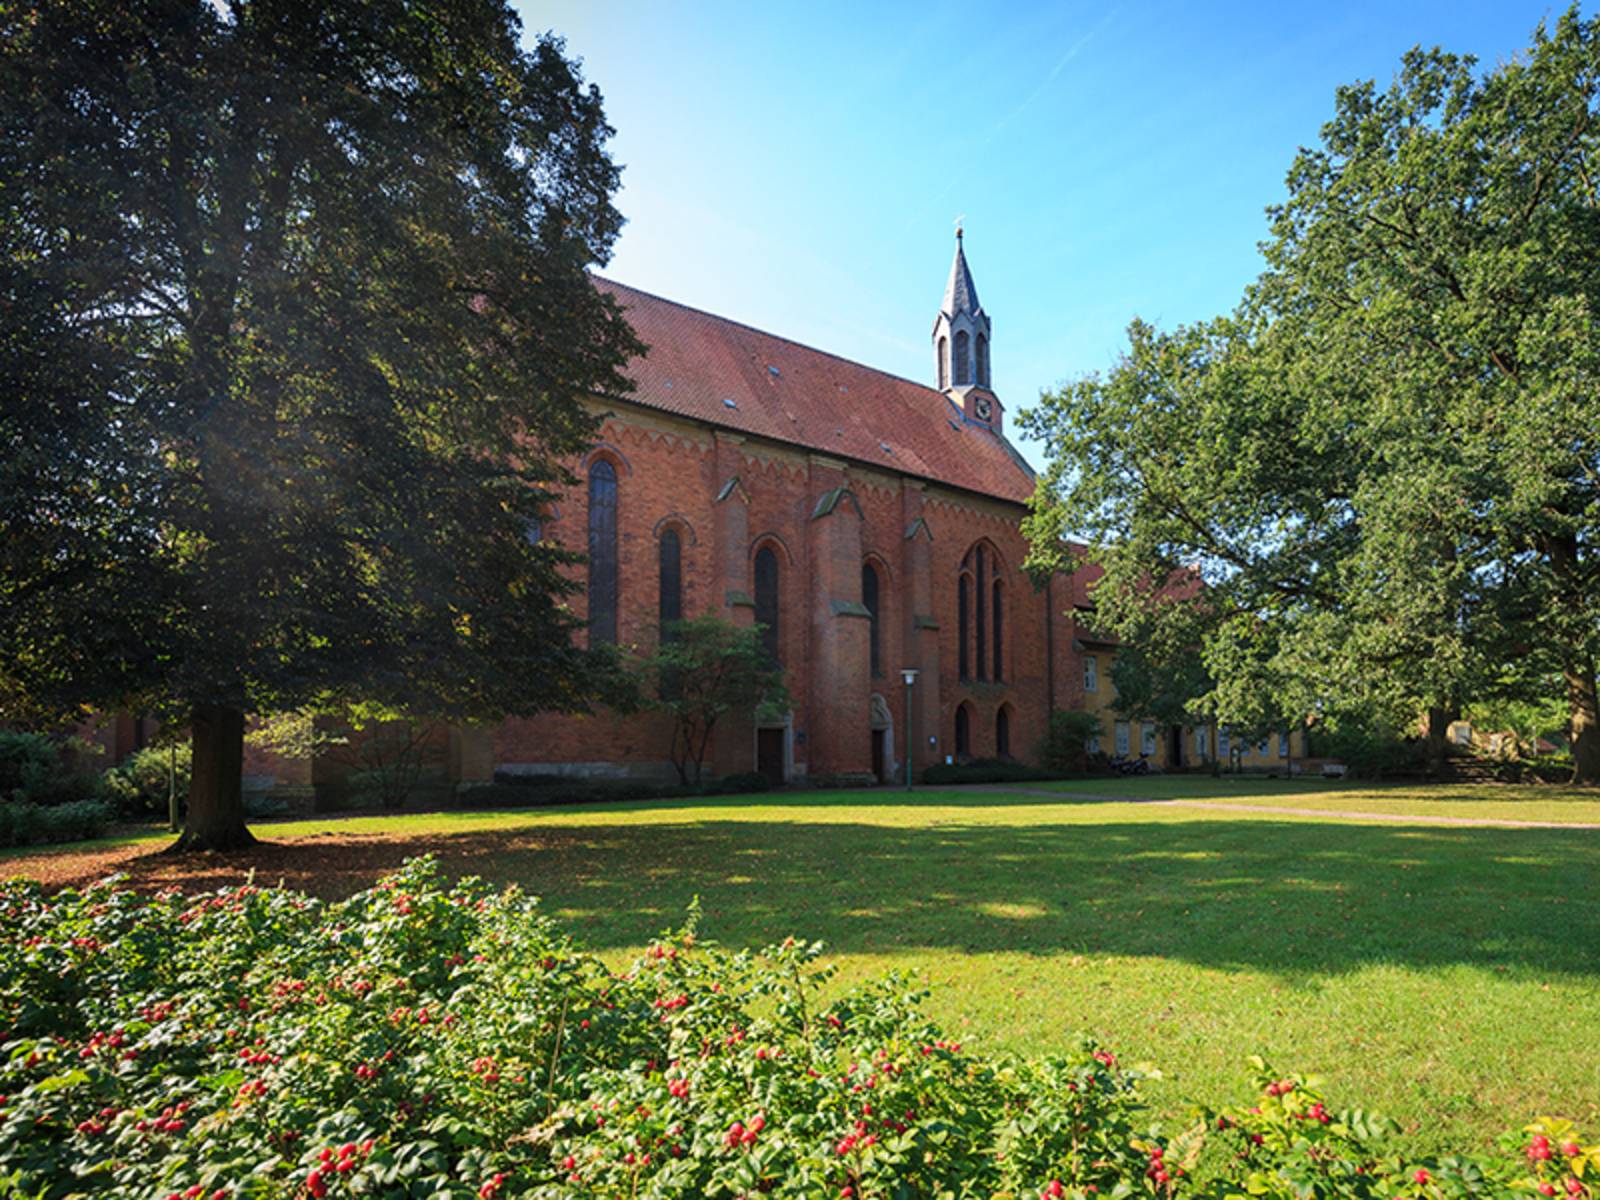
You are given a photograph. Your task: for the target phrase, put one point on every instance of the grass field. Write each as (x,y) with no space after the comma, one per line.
(1447,975)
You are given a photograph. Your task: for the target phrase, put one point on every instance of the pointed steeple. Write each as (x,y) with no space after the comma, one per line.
(961,345)
(960,294)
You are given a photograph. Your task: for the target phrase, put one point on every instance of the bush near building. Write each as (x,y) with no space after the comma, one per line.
(48,791)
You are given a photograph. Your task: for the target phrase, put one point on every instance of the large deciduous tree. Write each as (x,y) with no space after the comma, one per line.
(296,330)
(1386,462)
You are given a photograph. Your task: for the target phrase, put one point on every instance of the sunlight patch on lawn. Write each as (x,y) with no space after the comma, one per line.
(1013,912)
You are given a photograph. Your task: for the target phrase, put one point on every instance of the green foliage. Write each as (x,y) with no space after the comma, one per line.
(435,1040)
(703,669)
(23,823)
(297,733)
(41,769)
(283,295)
(1369,749)
(1382,466)
(1066,746)
(139,785)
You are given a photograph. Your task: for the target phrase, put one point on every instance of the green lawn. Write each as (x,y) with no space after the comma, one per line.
(1497,802)
(1449,976)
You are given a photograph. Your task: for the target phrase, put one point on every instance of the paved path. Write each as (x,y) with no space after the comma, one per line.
(1276,809)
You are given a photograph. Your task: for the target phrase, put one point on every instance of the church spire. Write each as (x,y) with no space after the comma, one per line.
(960,294)
(961,345)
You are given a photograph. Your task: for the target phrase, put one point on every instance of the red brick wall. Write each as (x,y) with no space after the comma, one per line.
(672,470)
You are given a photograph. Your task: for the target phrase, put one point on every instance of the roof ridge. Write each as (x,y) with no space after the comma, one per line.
(777,337)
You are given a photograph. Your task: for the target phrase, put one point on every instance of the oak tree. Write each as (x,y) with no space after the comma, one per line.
(1385,463)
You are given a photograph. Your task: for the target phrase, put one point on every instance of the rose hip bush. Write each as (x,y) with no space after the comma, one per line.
(424,1039)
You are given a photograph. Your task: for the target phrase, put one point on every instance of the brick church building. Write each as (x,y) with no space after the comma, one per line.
(868,522)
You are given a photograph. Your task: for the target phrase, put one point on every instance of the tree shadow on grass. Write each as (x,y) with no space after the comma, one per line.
(1297,898)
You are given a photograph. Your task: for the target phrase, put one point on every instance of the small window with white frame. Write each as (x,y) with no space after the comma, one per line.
(1122,739)
(1463,733)
(1222,742)
(1147,739)
(1201,741)
(1283,745)
(1091,673)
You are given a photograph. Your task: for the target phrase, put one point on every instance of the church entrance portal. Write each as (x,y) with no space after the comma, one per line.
(882,734)
(770,753)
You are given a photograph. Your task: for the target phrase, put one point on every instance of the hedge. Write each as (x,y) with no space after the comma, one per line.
(24,824)
(425,1040)
(534,791)
(988,770)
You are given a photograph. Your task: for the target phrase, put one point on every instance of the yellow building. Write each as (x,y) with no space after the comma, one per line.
(1173,747)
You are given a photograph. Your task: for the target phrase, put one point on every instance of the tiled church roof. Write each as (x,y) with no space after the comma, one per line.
(715,370)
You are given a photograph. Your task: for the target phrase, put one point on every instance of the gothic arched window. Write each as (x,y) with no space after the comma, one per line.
(602,553)
(981,589)
(963,623)
(766,571)
(870,601)
(670,552)
(964,731)
(963,364)
(944,363)
(983,361)
(998,617)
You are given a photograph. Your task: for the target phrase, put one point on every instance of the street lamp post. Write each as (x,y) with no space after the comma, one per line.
(909,674)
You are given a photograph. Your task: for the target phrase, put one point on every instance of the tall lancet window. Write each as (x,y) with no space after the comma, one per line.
(602,553)
(963,364)
(983,361)
(671,575)
(997,617)
(767,613)
(944,363)
(870,600)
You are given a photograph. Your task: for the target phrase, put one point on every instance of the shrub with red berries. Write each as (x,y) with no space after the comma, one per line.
(428,1039)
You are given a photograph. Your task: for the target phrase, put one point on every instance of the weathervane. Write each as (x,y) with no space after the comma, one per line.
(960,221)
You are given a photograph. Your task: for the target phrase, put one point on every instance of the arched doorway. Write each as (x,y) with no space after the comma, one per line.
(964,732)
(775,749)
(881,725)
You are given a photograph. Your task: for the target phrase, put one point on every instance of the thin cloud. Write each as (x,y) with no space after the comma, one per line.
(1072,52)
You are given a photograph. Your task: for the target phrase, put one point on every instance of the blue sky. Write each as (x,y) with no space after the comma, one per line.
(801,167)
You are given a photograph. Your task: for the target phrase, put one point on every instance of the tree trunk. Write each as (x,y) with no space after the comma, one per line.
(1585,705)
(216,804)
(1439,720)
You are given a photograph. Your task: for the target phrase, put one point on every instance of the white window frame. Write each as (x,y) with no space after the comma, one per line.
(1122,739)
(1201,741)
(1147,739)
(1091,673)
(1283,745)
(1222,742)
